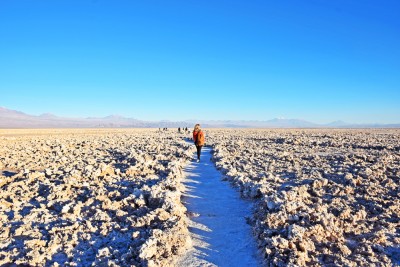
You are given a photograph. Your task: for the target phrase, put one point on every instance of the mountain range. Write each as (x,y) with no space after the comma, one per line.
(17,119)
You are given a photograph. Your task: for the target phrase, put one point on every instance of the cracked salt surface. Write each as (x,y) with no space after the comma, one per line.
(218,228)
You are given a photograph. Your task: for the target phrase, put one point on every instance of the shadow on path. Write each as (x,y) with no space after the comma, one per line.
(218,228)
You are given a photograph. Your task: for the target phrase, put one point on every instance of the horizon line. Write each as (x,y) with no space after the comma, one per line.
(317,124)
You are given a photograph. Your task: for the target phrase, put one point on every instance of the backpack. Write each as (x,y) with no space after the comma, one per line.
(200,138)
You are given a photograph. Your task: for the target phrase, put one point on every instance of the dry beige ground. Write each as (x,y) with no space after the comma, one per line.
(112,196)
(81,197)
(324,197)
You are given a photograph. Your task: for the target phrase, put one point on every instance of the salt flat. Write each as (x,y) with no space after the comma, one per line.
(82,197)
(323,196)
(77,197)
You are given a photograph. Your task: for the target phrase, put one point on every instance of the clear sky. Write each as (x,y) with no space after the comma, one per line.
(317,60)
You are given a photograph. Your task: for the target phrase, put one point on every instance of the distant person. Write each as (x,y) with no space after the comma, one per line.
(199,139)
(179,130)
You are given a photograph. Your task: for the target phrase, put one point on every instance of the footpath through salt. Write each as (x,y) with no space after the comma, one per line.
(218,228)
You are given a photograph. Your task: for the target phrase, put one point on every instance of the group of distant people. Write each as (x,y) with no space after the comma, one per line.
(180,130)
(184,130)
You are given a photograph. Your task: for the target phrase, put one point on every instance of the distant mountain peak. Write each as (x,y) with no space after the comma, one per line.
(337,123)
(114,116)
(47,115)
(5,109)
(11,111)
(16,119)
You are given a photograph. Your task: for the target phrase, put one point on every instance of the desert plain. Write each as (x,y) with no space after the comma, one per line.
(113,197)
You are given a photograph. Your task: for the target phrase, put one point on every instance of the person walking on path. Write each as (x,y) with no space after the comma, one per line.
(199,139)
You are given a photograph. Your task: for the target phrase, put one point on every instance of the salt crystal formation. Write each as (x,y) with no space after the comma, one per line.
(113,197)
(91,197)
(323,197)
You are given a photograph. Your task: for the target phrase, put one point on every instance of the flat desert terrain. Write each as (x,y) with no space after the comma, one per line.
(324,197)
(113,197)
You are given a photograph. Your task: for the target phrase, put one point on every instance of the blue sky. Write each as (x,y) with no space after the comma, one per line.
(317,60)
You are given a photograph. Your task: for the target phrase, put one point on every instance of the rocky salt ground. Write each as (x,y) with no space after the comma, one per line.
(113,197)
(91,197)
(323,197)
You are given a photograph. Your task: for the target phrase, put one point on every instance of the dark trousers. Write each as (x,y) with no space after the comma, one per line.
(198,151)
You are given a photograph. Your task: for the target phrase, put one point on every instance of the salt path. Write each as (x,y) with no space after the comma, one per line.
(218,228)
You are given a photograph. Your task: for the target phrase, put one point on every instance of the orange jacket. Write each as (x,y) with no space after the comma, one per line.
(199,138)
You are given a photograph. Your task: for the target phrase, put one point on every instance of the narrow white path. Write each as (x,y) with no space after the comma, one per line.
(220,234)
